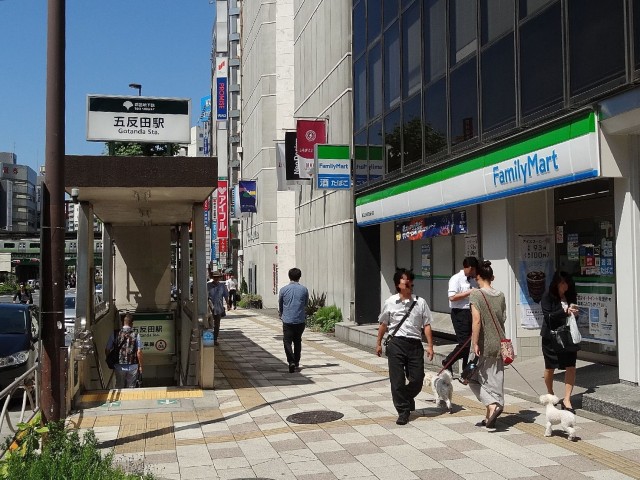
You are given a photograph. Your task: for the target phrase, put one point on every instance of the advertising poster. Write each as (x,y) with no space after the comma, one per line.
(425,260)
(471,246)
(597,317)
(247,190)
(221,88)
(434,226)
(309,133)
(535,270)
(294,171)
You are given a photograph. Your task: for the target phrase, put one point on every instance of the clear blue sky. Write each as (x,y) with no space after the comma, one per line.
(164,45)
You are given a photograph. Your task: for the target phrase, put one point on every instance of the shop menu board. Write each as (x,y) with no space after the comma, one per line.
(597,318)
(535,270)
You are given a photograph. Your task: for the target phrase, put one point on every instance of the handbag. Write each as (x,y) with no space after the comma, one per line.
(506,345)
(562,338)
(395,330)
(138,380)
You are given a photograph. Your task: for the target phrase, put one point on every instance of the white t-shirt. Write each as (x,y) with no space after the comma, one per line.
(232,284)
(394,310)
(458,284)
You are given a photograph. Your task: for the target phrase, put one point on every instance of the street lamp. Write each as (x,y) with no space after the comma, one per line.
(136,86)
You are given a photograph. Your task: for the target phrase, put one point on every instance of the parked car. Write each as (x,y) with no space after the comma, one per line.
(18,340)
(69,316)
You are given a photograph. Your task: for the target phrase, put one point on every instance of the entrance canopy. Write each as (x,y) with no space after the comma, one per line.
(141,191)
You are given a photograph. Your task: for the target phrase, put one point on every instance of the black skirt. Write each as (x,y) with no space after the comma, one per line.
(553,359)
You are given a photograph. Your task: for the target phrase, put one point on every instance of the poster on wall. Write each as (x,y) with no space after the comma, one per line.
(597,318)
(434,226)
(425,260)
(535,269)
(471,245)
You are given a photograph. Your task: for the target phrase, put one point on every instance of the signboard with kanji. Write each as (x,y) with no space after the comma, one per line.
(157,332)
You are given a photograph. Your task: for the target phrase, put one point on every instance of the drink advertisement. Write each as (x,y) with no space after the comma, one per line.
(534,274)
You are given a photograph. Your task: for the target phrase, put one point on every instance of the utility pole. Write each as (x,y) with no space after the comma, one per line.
(53,356)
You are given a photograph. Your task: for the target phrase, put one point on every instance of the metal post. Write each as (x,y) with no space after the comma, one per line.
(52,283)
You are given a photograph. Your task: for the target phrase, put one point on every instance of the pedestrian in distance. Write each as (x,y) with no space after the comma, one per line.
(129,346)
(232,288)
(559,303)
(489,313)
(407,317)
(292,307)
(460,286)
(23,295)
(218,298)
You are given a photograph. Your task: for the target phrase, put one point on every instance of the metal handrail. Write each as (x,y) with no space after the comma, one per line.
(26,394)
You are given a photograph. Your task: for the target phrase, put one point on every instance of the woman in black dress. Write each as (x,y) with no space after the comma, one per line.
(558,303)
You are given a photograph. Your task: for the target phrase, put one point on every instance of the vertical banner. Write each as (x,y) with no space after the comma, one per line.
(221,88)
(205,207)
(205,108)
(222,210)
(235,202)
(535,269)
(248,196)
(281,166)
(293,163)
(308,134)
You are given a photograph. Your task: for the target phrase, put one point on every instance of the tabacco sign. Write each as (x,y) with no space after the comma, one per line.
(332,167)
(138,119)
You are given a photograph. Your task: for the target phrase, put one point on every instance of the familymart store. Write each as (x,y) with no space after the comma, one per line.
(564,197)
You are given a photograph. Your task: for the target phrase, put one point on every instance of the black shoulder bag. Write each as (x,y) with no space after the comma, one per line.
(114,355)
(395,330)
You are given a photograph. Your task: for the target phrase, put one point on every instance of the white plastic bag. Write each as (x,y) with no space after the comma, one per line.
(573,328)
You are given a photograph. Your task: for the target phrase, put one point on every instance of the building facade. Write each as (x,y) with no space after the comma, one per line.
(18,207)
(509,131)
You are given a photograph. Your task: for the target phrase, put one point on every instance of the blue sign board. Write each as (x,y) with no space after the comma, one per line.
(221,98)
(332,167)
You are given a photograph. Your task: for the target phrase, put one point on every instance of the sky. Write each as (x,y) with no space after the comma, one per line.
(164,45)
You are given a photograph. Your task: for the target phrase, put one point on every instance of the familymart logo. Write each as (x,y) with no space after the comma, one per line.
(522,171)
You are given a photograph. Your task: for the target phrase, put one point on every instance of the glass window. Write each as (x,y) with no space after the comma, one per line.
(496,17)
(359,93)
(411,50)
(462,22)
(529,7)
(374,19)
(464,102)
(375,81)
(376,152)
(636,32)
(541,61)
(405,3)
(435,115)
(435,41)
(392,67)
(359,30)
(390,11)
(360,158)
(498,84)
(392,139)
(412,130)
(596,43)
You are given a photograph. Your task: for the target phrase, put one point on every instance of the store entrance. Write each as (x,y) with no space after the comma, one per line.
(585,239)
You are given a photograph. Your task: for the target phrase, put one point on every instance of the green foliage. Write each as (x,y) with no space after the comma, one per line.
(250,300)
(326,318)
(315,303)
(131,149)
(8,288)
(63,456)
(243,286)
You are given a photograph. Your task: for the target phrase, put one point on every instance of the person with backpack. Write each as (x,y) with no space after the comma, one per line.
(129,347)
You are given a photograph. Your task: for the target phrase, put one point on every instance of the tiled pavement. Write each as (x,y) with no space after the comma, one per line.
(239,430)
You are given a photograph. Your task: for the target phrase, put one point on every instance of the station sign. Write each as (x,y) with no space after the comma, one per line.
(157,332)
(138,119)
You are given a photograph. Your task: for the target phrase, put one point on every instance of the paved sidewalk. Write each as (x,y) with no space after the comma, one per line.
(240,429)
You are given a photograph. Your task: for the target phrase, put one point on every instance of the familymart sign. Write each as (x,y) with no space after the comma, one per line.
(565,154)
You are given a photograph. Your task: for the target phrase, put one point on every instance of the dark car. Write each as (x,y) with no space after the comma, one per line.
(18,340)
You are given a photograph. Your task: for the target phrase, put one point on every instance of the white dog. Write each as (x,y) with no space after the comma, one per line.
(564,418)
(442,388)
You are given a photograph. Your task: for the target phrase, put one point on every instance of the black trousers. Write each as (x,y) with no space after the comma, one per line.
(461,318)
(406,371)
(292,334)
(231,302)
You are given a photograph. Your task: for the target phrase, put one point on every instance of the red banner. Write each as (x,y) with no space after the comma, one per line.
(308,134)
(223,245)
(222,209)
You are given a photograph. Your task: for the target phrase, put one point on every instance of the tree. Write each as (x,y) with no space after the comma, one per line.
(132,149)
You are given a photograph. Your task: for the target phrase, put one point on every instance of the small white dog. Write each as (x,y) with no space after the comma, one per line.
(564,418)
(442,388)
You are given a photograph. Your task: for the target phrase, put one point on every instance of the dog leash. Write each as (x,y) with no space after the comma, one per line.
(446,365)
(525,380)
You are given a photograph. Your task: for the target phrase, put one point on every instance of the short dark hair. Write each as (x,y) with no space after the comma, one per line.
(485,271)
(401,272)
(470,262)
(295,274)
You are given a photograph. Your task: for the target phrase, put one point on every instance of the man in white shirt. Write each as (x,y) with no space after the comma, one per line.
(460,286)
(232,288)
(405,353)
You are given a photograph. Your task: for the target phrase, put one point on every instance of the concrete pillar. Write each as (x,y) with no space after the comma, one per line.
(107,264)
(85,269)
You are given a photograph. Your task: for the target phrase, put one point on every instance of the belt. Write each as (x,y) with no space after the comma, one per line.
(459,309)
(409,340)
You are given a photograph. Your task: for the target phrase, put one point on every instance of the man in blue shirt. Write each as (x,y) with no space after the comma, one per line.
(292,304)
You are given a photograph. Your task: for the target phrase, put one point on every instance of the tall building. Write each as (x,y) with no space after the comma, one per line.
(509,131)
(18,208)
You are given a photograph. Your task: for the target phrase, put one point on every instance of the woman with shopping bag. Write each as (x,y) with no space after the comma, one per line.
(559,346)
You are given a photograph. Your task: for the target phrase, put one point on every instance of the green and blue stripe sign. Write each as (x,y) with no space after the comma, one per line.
(332,167)
(565,154)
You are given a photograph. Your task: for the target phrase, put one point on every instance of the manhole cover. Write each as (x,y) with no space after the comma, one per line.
(315,416)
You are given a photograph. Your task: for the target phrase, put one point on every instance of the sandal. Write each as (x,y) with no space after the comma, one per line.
(491,422)
(463,381)
(483,423)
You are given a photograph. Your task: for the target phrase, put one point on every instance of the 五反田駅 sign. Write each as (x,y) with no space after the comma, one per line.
(138,119)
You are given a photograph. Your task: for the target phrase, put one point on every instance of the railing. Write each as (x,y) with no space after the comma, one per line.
(28,383)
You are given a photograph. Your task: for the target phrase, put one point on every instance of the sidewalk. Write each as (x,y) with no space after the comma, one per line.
(243,429)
